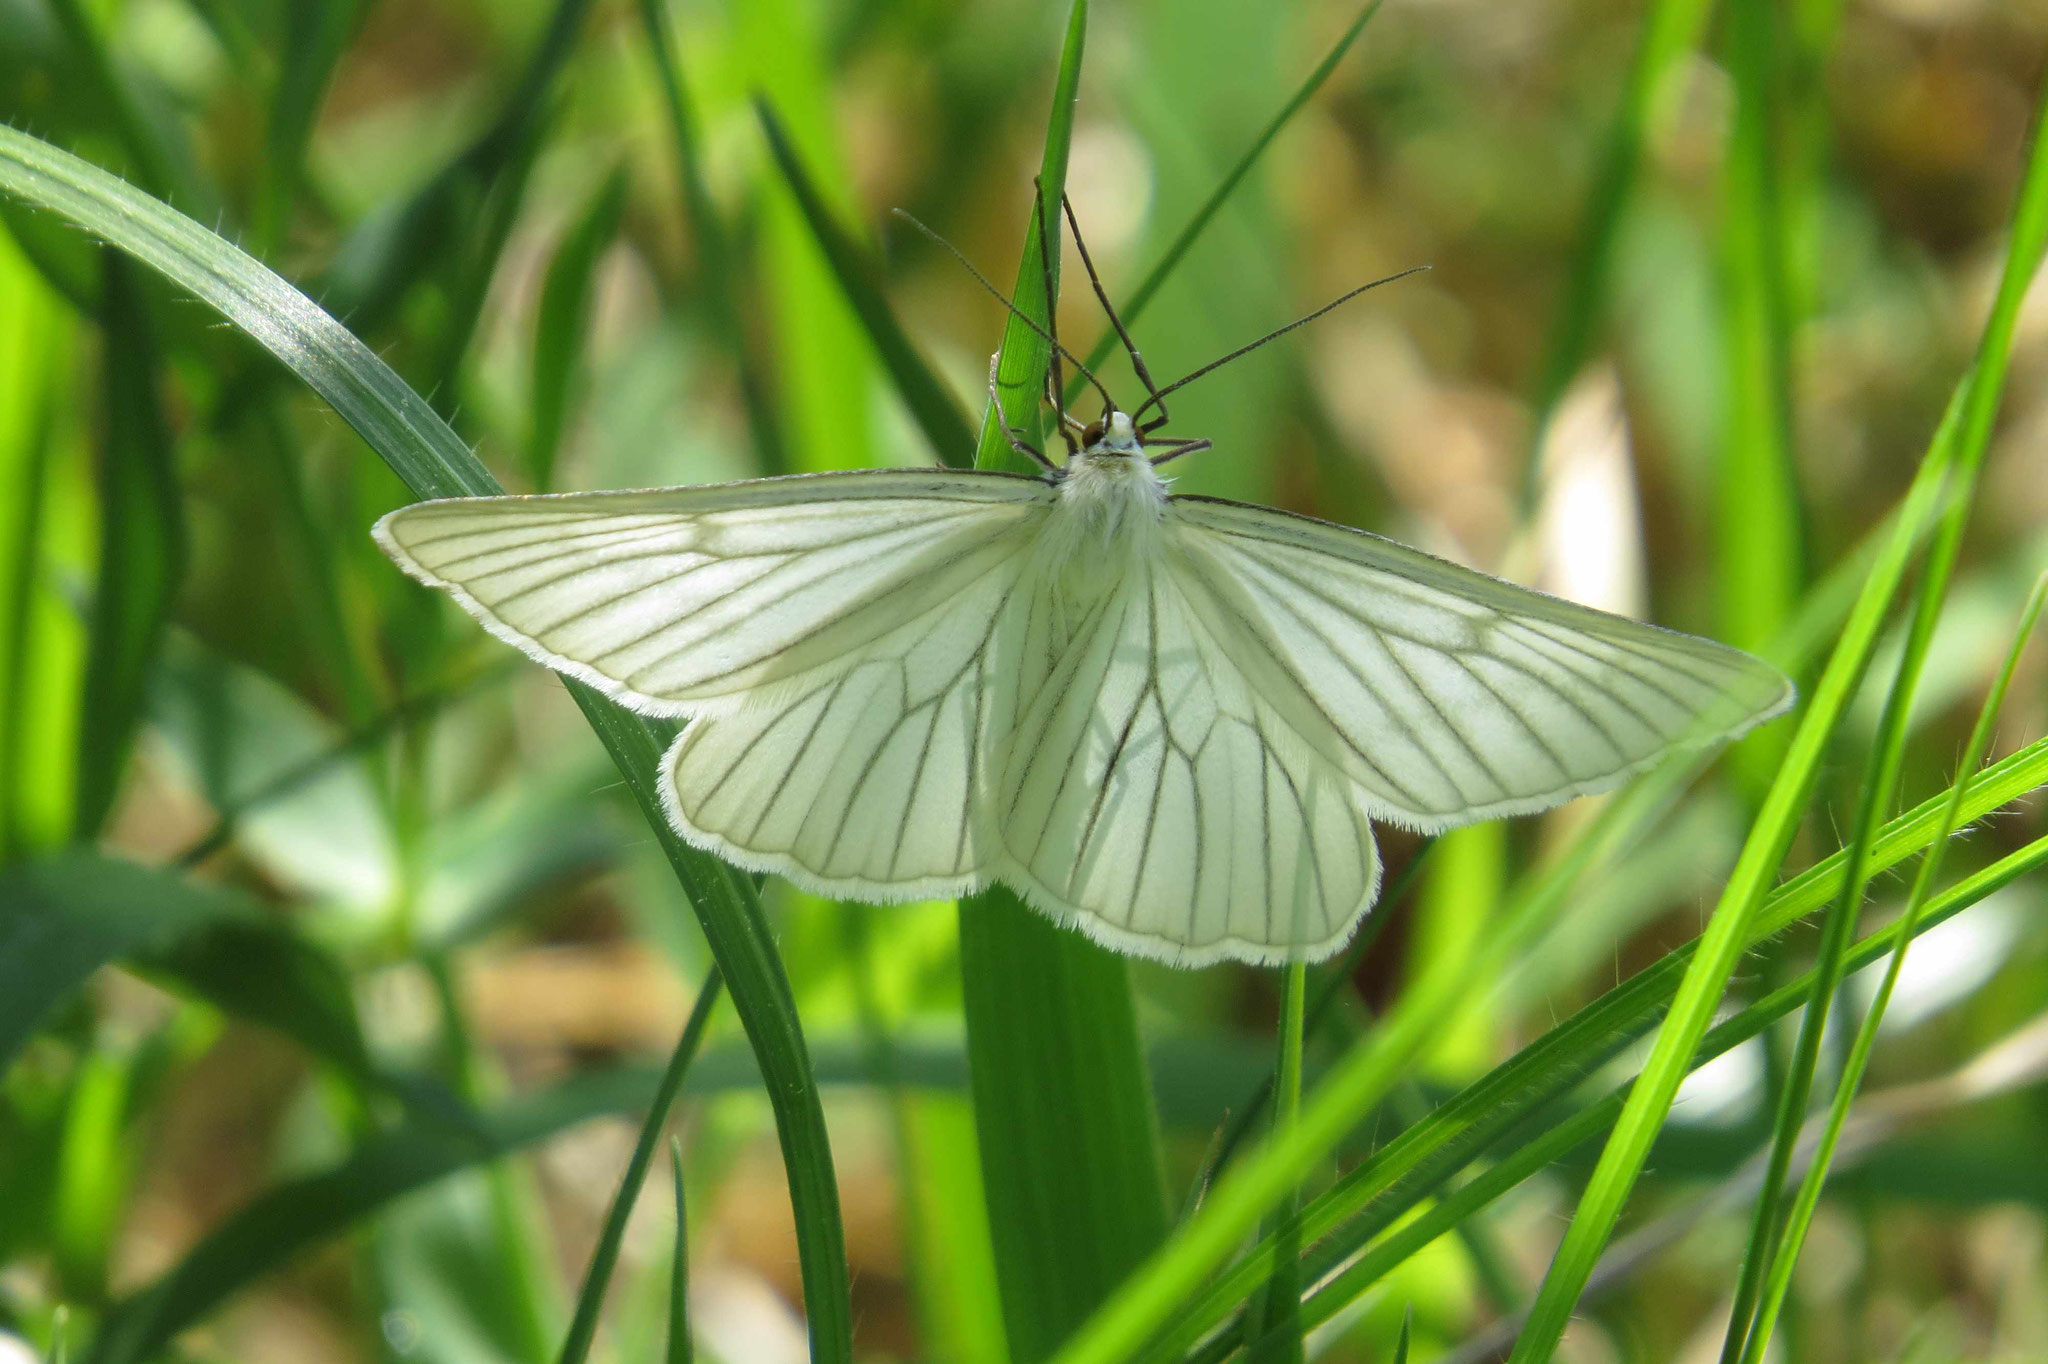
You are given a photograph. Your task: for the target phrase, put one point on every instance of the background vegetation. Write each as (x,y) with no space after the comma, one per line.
(338,966)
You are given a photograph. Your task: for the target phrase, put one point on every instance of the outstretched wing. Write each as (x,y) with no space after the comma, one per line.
(1449,696)
(1152,798)
(866,780)
(680,600)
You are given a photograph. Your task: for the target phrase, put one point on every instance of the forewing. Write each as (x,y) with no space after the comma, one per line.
(1152,799)
(679,600)
(866,780)
(1448,695)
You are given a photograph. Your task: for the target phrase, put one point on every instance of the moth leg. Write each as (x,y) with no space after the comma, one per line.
(1016,436)
(1175,449)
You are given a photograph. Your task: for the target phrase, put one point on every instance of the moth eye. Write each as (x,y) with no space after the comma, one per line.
(1092,433)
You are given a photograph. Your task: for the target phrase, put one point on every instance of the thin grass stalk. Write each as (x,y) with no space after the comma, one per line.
(1191,231)
(681,1349)
(1838,928)
(1786,1254)
(1279,1312)
(604,1258)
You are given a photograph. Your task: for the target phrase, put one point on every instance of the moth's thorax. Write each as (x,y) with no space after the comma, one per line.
(1107,518)
(1111,485)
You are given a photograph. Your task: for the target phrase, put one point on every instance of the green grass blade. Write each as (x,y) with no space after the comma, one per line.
(605,1258)
(1021,365)
(931,406)
(142,549)
(681,1350)
(1191,231)
(404,431)
(1061,1100)
(1406,1169)
(315,38)
(562,325)
(1670,30)
(1785,1254)
(717,263)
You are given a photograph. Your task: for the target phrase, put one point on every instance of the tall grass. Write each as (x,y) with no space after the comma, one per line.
(245,766)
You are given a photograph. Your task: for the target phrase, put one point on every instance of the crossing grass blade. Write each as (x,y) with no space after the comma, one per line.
(1785,1253)
(418,446)
(1411,1166)
(1957,453)
(1971,433)
(1530,1156)
(605,1258)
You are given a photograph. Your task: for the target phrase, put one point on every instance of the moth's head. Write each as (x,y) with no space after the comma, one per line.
(1113,433)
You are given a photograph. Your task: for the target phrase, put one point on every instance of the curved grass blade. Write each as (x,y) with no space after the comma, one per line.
(590,1302)
(931,406)
(418,446)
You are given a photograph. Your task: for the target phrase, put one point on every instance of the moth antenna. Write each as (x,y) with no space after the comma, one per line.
(1108,308)
(1004,299)
(1274,335)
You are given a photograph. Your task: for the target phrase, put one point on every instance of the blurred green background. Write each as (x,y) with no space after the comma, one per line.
(1687,394)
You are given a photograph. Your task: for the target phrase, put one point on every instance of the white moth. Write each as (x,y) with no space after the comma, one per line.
(1166,720)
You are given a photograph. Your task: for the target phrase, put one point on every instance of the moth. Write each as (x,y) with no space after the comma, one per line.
(1166,720)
